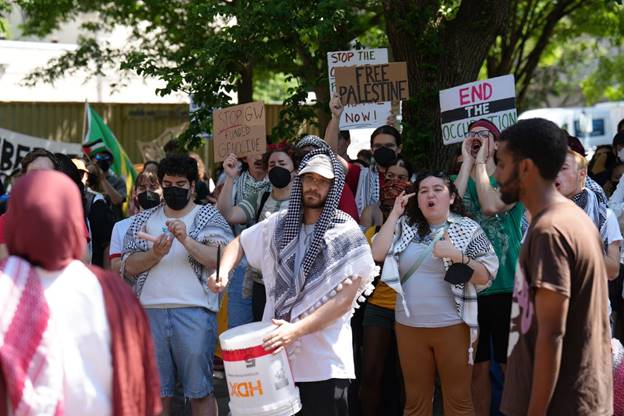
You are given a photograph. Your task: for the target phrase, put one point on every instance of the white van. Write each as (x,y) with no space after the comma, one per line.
(592,125)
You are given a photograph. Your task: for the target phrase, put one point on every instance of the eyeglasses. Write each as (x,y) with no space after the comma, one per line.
(318,181)
(481,134)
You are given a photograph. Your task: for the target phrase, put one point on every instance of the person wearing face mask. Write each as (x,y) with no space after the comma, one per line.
(379,353)
(248,182)
(170,281)
(396,180)
(365,183)
(146,194)
(502,224)
(278,161)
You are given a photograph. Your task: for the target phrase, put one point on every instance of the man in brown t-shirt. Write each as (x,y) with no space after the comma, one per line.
(559,344)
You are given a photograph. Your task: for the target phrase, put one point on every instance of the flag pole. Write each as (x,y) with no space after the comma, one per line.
(84,122)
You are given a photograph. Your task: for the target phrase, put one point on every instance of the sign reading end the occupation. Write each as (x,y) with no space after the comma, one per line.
(492,99)
(240,129)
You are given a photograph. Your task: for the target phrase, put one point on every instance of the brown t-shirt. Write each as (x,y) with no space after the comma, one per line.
(563,253)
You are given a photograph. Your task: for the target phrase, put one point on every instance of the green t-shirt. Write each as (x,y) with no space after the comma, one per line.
(505,234)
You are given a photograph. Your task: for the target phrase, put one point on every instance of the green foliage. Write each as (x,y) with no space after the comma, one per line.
(275,50)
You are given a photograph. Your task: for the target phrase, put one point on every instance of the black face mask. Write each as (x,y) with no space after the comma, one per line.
(148,199)
(385,157)
(279,177)
(104,165)
(176,198)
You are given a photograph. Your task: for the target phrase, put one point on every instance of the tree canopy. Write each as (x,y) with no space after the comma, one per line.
(212,49)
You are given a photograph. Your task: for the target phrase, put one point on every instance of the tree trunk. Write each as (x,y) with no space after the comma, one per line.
(245,85)
(440,54)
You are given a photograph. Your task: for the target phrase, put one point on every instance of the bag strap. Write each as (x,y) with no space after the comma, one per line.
(263,200)
(423,255)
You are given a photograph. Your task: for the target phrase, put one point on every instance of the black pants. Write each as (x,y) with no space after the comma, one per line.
(325,398)
(258,301)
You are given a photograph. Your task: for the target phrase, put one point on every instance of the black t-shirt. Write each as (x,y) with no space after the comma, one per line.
(101,220)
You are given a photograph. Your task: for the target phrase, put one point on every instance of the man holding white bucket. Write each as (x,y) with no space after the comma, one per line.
(316,264)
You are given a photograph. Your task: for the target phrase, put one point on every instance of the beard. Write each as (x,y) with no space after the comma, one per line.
(314,203)
(509,191)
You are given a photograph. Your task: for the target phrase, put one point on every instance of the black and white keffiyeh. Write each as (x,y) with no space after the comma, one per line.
(246,186)
(367,188)
(468,237)
(337,238)
(208,228)
(311,140)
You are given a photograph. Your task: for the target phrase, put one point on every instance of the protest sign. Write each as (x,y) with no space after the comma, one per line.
(492,99)
(360,116)
(240,129)
(14,146)
(372,83)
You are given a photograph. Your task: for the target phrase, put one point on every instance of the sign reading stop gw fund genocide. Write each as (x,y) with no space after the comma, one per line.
(359,116)
(492,99)
(240,129)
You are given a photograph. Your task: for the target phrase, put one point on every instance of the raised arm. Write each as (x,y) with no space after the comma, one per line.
(461,182)
(383,240)
(232,214)
(332,132)
(489,198)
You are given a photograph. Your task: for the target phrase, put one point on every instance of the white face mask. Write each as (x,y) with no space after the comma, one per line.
(621,154)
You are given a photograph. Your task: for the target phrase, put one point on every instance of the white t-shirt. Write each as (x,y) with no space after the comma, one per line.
(172,283)
(323,355)
(78,314)
(117,237)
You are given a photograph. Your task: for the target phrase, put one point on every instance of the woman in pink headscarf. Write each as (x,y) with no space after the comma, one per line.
(73,339)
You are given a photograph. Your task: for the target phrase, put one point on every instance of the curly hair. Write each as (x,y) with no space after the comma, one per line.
(415,215)
(287,148)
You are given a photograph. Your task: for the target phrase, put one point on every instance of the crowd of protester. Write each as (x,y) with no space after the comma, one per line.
(394,290)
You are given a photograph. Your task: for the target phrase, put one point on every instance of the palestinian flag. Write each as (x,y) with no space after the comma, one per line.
(99,137)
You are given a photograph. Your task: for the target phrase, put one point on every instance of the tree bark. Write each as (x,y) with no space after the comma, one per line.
(245,85)
(440,54)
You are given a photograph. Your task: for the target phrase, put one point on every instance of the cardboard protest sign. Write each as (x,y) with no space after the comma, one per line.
(360,116)
(240,129)
(372,83)
(14,146)
(493,99)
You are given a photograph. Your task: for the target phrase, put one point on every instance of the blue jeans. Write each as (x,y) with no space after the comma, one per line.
(239,309)
(184,339)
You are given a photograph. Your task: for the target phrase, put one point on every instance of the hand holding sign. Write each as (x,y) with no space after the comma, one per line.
(335,105)
(231,166)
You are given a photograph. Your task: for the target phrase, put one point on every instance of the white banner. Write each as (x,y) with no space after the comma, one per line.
(361,116)
(14,146)
(492,99)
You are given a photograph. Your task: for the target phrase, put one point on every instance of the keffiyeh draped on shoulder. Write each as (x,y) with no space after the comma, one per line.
(367,188)
(337,238)
(209,228)
(468,237)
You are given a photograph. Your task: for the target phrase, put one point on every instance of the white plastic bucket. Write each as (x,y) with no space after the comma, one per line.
(259,382)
